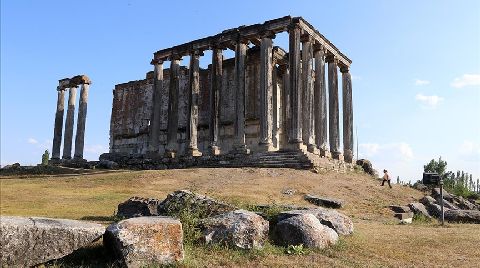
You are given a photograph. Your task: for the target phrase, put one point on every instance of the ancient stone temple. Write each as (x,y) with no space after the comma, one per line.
(264,99)
(71,84)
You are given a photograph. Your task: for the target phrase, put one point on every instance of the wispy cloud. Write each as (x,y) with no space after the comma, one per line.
(427,101)
(466,80)
(32,141)
(400,151)
(356,77)
(420,82)
(95,148)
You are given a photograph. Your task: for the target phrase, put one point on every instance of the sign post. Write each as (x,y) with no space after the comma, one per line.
(441,201)
(435,179)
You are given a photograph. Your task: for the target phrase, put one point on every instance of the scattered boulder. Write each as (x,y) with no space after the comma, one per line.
(304,229)
(139,242)
(26,242)
(339,222)
(419,209)
(108,164)
(238,229)
(463,216)
(324,201)
(399,209)
(366,166)
(138,206)
(199,205)
(432,207)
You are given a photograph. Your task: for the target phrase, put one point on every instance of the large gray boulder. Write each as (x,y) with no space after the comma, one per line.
(138,206)
(453,201)
(367,167)
(433,208)
(339,222)
(25,242)
(419,209)
(200,206)
(463,216)
(324,201)
(144,241)
(304,229)
(238,229)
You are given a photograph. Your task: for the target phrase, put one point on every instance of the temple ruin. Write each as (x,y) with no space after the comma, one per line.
(71,84)
(263,100)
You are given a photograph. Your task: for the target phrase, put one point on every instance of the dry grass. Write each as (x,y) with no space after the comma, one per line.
(378,241)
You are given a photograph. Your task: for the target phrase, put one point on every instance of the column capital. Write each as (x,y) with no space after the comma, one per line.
(267,34)
(175,57)
(156,61)
(344,69)
(306,38)
(242,39)
(319,47)
(294,25)
(196,53)
(331,58)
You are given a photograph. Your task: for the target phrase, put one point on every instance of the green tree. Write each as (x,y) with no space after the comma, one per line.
(45,157)
(438,167)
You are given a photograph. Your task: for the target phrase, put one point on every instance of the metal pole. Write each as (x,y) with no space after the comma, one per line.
(441,202)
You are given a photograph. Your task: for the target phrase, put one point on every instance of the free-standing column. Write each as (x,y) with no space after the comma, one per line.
(58,127)
(240,59)
(266,88)
(193,94)
(172,125)
(347,115)
(295,138)
(334,130)
(81,120)
(285,113)
(214,97)
(308,129)
(320,95)
(69,122)
(157,107)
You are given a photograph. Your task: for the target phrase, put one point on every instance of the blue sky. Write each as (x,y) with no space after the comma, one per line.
(416,68)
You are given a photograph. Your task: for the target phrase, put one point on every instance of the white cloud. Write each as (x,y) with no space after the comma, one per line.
(419,82)
(429,101)
(32,141)
(400,151)
(356,77)
(470,151)
(466,80)
(96,149)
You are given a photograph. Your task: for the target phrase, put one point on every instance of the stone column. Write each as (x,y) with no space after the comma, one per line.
(347,115)
(193,96)
(153,146)
(69,122)
(173,94)
(275,106)
(239,146)
(285,113)
(308,130)
(81,120)
(266,88)
(320,95)
(214,98)
(58,127)
(295,138)
(334,127)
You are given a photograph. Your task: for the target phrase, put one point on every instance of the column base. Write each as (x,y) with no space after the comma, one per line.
(66,157)
(325,153)
(348,156)
(170,154)
(337,156)
(194,152)
(312,148)
(214,150)
(296,146)
(266,147)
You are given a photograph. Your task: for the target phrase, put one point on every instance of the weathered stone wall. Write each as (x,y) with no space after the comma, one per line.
(132,108)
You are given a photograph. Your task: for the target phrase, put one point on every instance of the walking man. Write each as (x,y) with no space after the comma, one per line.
(386,178)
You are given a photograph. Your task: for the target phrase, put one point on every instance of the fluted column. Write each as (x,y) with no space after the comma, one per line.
(81,120)
(295,138)
(334,127)
(214,98)
(285,106)
(308,130)
(69,123)
(58,127)
(193,96)
(153,146)
(347,115)
(320,95)
(266,88)
(173,94)
(239,146)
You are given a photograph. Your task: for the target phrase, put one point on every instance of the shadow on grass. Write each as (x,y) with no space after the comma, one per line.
(94,255)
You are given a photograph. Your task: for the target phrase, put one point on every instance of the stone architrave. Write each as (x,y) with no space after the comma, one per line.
(58,127)
(81,118)
(69,122)
(214,98)
(347,115)
(334,127)
(295,138)
(172,126)
(157,107)
(320,95)
(308,130)
(266,88)
(240,146)
(193,96)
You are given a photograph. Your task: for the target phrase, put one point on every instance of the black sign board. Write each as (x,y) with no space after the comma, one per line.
(431,178)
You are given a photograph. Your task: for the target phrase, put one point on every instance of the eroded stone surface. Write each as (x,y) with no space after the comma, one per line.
(463,216)
(30,241)
(419,208)
(138,206)
(144,241)
(339,222)
(324,201)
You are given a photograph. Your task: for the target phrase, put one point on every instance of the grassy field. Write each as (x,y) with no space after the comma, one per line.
(378,240)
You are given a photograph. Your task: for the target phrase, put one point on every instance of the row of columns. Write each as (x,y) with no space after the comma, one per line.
(304,95)
(71,85)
